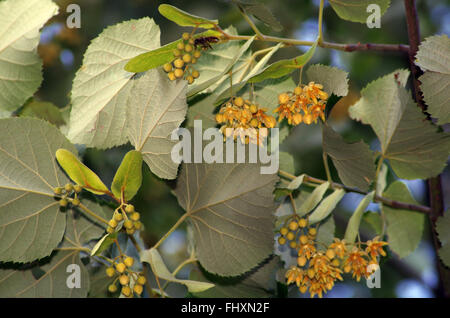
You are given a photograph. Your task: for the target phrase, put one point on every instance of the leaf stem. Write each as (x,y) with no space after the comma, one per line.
(320,21)
(258,33)
(174,227)
(391,203)
(180,267)
(327,167)
(95,216)
(377,173)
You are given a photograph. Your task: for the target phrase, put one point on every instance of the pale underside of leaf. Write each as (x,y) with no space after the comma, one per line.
(157,107)
(231,208)
(433,54)
(20,65)
(436,87)
(31,223)
(101,87)
(443,230)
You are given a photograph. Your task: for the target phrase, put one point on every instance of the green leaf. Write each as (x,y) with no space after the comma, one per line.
(152,116)
(313,199)
(43,110)
(374,220)
(202,108)
(435,87)
(284,67)
(404,227)
(79,173)
(156,262)
(266,92)
(160,56)
(260,283)
(433,58)
(443,230)
(326,206)
(102,86)
(356,10)
(20,65)
(334,80)
(325,233)
(103,244)
(231,207)
(412,144)
(354,162)
(352,229)
(183,18)
(128,177)
(433,54)
(23,282)
(31,223)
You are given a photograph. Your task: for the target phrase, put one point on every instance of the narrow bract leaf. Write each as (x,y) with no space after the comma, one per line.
(202,85)
(156,262)
(160,56)
(404,227)
(31,222)
(334,80)
(357,10)
(443,230)
(354,162)
(128,177)
(326,206)
(155,109)
(184,18)
(102,86)
(353,224)
(103,244)
(20,64)
(382,179)
(284,67)
(296,183)
(314,198)
(79,173)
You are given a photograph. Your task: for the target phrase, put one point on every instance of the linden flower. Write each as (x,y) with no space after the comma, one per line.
(285,111)
(314,91)
(375,248)
(339,247)
(357,263)
(295,274)
(306,250)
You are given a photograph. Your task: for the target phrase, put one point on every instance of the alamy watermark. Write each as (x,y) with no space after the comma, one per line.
(374,19)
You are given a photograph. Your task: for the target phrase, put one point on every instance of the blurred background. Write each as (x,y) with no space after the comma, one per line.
(62,51)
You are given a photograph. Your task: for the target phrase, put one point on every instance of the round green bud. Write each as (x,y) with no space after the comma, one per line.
(63,203)
(112,223)
(77,188)
(187,58)
(197,54)
(171,76)
(129,208)
(178,73)
(176,53)
(76,202)
(178,63)
(167,67)
(190,79)
(188,48)
(186,36)
(68,187)
(180,46)
(110,272)
(112,288)
(128,224)
(195,74)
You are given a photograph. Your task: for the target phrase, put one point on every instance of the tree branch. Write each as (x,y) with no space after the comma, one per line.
(391,203)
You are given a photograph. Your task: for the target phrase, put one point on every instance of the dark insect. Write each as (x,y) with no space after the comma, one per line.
(204,42)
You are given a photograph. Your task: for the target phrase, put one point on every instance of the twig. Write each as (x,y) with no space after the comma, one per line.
(391,203)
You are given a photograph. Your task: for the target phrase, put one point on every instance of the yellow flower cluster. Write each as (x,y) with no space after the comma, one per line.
(317,270)
(309,99)
(185,55)
(124,274)
(128,216)
(247,120)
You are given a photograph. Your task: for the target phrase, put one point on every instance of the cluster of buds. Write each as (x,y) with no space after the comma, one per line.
(318,269)
(307,99)
(245,119)
(129,217)
(126,277)
(65,194)
(185,55)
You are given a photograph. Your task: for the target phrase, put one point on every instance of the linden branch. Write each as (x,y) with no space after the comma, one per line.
(333,185)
